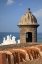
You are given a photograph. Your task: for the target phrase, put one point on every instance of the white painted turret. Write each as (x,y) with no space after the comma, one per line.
(8,37)
(13,39)
(4,39)
(18,40)
(9,40)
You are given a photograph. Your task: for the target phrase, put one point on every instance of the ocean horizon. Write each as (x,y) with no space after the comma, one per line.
(17,35)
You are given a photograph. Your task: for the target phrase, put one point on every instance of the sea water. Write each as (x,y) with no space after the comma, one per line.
(17,35)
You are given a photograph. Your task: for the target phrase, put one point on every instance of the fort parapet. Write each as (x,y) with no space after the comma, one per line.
(21,54)
(21,45)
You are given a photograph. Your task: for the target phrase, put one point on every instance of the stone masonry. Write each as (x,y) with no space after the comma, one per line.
(26,55)
(28,26)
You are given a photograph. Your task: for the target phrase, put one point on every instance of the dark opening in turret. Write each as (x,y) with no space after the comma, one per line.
(28,37)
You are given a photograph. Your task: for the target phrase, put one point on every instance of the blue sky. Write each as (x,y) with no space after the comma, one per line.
(12,10)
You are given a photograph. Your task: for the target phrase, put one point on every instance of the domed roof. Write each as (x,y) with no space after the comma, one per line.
(28,19)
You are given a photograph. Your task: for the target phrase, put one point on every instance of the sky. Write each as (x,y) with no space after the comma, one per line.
(12,10)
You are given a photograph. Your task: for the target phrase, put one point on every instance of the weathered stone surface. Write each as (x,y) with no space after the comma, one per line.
(2,58)
(28,19)
(21,45)
(26,55)
(28,25)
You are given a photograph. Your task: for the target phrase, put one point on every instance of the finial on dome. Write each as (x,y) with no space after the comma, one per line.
(28,10)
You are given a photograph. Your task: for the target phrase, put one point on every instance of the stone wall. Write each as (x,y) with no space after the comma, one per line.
(39,61)
(2,58)
(15,46)
(24,30)
(26,55)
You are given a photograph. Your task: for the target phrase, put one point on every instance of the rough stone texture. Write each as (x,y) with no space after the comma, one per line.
(2,58)
(24,30)
(28,19)
(21,45)
(26,55)
(28,23)
(39,61)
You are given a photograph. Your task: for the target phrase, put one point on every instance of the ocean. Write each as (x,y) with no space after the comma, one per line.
(17,35)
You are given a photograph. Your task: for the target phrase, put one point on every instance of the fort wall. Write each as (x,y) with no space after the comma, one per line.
(23,55)
(21,45)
